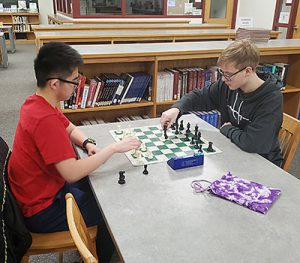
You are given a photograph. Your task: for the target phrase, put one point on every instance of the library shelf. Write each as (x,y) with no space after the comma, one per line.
(155,57)
(21,23)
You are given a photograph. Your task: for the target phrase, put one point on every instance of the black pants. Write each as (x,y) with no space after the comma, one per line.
(53,218)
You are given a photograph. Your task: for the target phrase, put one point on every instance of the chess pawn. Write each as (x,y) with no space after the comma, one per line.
(188,127)
(186,137)
(192,141)
(121,177)
(200,149)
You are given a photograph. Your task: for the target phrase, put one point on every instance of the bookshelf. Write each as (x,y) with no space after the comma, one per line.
(21,23)
(155,57)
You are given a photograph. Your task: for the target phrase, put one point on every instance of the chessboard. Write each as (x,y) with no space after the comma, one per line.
(155,148)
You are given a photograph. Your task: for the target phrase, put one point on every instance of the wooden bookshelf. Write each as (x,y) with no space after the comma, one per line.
(155,57)
(21,23)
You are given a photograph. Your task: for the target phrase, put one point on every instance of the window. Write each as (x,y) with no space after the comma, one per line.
(144,7)
(100,7)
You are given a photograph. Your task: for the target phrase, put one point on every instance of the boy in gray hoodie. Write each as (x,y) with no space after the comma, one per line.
(251,109)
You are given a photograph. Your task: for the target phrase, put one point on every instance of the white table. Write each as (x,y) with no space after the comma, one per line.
(157,217)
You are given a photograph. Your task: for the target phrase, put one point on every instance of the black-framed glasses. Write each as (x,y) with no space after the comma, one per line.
(75,83)
(229,76)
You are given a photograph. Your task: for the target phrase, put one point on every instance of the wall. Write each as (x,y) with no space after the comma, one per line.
(45,9)
(261,11)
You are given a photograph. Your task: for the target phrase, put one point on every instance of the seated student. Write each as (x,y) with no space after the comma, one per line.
(43,165)
(251,109)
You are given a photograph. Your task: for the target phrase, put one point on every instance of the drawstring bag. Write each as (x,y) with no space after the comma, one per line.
(252,195)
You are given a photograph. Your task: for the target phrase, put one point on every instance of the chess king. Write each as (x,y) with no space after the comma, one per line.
(251,108)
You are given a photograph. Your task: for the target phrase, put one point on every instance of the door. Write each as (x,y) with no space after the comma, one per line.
(287,18)
(220,11)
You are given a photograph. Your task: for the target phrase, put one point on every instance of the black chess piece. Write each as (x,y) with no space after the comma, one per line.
(200,149)
(176,128)
(192,141)
(145,169)
(165,132)
(186,137)
(181,128)
(210,148)
(196,145)
(196,129)
(199,138)
(188,126)
(173,126)
(122,177)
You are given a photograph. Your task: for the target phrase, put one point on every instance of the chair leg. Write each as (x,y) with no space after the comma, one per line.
(25,259)
(61,257)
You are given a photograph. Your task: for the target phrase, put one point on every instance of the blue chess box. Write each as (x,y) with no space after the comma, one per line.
(186,161)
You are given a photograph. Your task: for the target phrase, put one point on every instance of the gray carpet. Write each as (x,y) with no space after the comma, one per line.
(16,83)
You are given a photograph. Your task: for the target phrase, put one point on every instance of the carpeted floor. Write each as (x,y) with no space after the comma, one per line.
(16,83)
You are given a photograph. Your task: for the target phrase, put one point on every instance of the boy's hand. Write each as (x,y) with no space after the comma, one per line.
(91,149)
(169,117)
(126,145)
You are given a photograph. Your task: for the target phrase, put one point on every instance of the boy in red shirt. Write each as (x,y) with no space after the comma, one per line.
(43,165)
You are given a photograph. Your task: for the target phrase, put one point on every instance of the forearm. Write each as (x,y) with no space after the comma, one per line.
(73,170)
(77,136)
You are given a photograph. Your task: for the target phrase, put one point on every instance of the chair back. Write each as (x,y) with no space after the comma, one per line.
(289,138)
(79,231)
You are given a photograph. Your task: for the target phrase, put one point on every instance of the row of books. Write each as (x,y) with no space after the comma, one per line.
(22,28)
(93,121)
(211,117)
(20,19)
(279,69)
(172,84)
(109,89)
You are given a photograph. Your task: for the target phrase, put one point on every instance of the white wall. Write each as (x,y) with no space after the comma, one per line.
(262,12)
(45,9)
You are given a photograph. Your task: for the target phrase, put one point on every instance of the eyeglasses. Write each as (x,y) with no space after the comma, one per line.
(75,83)
(229,76)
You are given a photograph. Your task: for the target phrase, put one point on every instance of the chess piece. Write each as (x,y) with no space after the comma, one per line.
(143,147)
(210,148)
(186,137)
(188,127)
(196,129)
(165,132)
(192,141)
(199,138)
(181,128)
(176,128)
(196,145)
(119,131)
(173,126)
(121,177)
(200,149)
(145,169)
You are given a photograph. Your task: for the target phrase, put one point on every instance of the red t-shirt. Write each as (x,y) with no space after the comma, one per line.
(41,140)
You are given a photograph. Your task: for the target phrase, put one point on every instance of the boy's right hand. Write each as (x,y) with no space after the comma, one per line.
(126,145)
(169,117)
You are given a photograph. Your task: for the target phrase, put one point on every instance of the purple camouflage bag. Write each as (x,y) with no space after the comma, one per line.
(252,195)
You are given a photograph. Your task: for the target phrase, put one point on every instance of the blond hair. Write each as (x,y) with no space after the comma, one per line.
(241,53)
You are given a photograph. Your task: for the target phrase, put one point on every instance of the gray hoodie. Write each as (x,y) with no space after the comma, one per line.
(255,117)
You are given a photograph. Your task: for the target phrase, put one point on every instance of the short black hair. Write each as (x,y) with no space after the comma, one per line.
(55,59)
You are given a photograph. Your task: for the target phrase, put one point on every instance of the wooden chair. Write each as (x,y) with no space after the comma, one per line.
(79,232)
(289,138)
(45,242)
